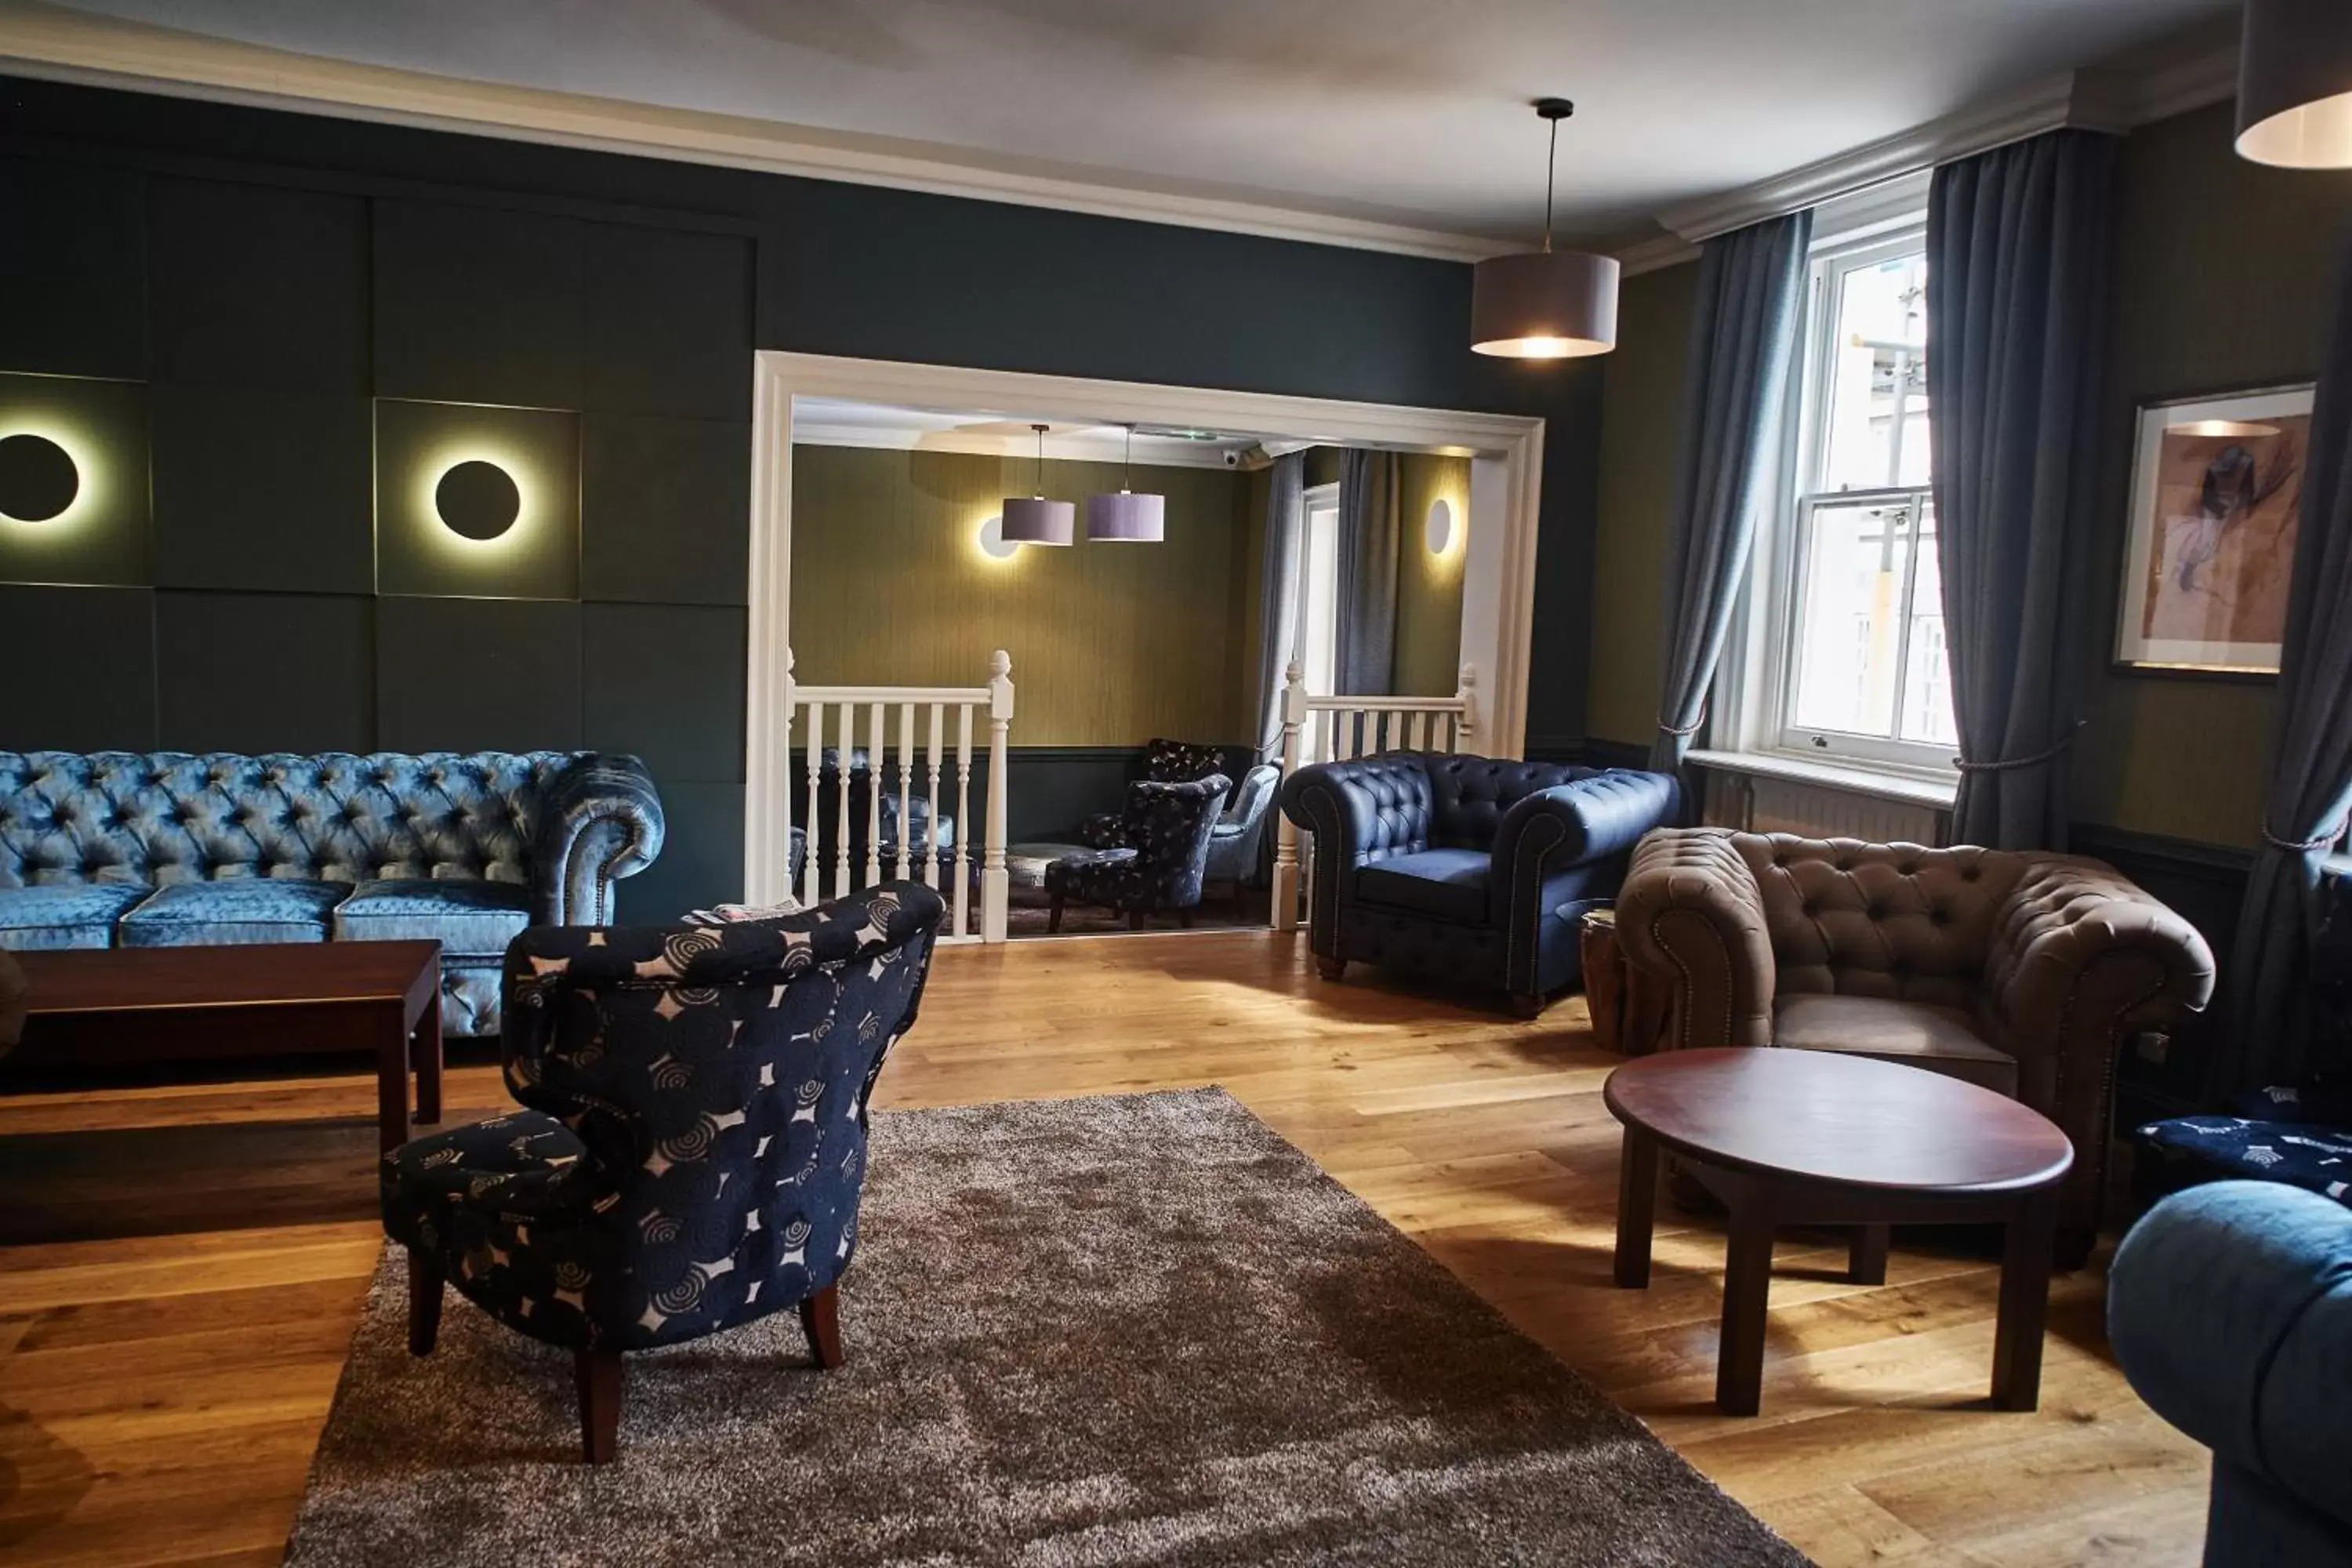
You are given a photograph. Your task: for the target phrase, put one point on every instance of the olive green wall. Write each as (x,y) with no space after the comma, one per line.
(2224,275)
(1429,587)
(1111,644)
(1641,421)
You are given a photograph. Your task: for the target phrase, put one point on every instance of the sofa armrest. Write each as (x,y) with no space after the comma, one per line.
(2077,946)
(600,818)
(1576,823)
(2229,1308)
(1690,914)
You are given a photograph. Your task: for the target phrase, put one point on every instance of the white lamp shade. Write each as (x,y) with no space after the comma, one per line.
(1034,519)
(1126,516)
(2294,84)
(1544,304)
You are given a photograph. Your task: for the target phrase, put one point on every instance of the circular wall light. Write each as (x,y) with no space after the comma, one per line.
(1441,526)
(37,478)
(478,500)
(992,542)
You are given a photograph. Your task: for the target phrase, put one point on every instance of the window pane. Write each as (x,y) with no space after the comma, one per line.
(1875,400)
(1927,674)
(1850,618)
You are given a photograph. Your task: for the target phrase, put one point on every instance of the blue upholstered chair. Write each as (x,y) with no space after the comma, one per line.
(1159,859)
(1239,838)
(1164,761)
(695,1143)
(2229,1308)
(165,849)
(1470,868)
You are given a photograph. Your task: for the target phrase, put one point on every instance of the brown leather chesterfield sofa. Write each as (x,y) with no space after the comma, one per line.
(2023,972)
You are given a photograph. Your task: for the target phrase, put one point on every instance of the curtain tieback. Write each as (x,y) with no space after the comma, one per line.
(2327,840)
(2035,761)
(1693,728)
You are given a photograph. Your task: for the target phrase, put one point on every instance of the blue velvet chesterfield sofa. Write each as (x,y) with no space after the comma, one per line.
(165,849)
(2229,1308)
(1471,868)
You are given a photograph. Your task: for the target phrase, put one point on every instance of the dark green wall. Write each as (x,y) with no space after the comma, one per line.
(270,273)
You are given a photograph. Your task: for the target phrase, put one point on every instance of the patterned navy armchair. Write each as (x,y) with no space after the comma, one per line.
(1467,868)
(1159,861)
(1164,761)
(695,1144)
(164,849)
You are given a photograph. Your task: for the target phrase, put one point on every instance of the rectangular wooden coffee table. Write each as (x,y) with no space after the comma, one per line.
(155,1004)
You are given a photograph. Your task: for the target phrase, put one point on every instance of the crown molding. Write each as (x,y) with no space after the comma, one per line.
(56,45)
(980,444)
(2090,101)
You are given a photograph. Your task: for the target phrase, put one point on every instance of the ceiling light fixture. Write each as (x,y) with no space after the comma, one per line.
(1126,516)
(2294,84)
(1545,304)
(1034,519)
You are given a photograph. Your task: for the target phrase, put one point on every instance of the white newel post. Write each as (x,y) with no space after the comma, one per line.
(995,882)
(1465,731)
(1282,912)
(783,870)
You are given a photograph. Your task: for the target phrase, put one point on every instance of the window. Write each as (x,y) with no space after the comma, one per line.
(1860,672)
(1319,601)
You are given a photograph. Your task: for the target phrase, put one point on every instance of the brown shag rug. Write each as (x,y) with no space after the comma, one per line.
(1141,1329)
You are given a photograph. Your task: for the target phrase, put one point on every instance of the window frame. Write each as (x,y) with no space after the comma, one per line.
(1763,696)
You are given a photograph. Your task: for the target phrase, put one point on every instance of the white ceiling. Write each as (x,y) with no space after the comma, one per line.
(838,421)
(1402,111)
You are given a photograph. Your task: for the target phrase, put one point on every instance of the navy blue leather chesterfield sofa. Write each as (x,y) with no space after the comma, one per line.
(164,849)
(1472,868)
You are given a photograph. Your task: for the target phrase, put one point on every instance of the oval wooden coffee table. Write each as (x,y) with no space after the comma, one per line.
(1790,1137)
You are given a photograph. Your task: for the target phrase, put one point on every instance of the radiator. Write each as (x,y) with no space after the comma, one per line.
(1762,804)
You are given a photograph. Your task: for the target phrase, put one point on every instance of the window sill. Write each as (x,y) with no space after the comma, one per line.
(1911,788)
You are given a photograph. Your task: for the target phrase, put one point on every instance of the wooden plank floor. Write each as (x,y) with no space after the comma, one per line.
(161,1395)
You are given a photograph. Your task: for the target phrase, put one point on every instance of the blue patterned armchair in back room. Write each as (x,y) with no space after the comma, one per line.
(1470,868)
(166,849)
(1158,860)
(696,1144)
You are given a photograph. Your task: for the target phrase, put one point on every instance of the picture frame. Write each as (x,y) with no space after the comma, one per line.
(2208,545)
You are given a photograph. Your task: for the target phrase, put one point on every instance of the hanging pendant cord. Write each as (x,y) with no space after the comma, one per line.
(1551,163)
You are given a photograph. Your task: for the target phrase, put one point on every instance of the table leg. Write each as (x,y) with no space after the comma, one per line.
(1637,1203)
(392,1079)
(1866,1263)
(1747,1289)
(2024,1301)
(426,1052)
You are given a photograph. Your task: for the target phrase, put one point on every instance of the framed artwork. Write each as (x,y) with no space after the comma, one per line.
(2216,495)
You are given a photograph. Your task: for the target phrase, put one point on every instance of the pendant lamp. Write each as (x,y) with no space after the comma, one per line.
(1545,304)
(2294,84)
(1034,519)
(1126,516)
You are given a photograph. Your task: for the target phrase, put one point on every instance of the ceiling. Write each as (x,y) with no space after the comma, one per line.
(1399,111)
(839,422)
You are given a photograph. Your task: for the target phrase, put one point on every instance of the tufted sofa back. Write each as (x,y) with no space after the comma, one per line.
(161,817)
(1880,919)
(1468,795)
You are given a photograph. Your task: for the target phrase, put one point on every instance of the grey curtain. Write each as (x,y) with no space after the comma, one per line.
(2017,269)
(2271,1039)
(1368,528)
(1752,290)
(1286,513)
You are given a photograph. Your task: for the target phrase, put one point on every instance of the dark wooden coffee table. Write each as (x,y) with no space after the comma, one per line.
(1790,1136)
(149,1004)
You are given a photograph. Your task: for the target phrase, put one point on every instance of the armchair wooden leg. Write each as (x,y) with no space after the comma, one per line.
(1527,1004)
(821,1319)
(1184,919)
(1135,920)
(597,1374)
(1331,968)
(424,1302)
(1054,915)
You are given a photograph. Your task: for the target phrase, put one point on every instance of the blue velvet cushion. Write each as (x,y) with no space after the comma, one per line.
(468,919)
(241,910)
(61,915)
(1450,884)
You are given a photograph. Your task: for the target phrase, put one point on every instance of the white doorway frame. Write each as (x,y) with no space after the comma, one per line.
(1498,570)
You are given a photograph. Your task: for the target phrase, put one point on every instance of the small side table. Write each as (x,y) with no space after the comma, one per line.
(1790,1136)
